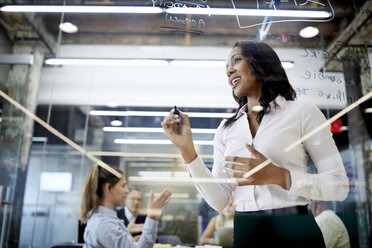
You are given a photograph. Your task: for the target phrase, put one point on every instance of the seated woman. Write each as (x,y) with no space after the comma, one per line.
(103,190)
(223,219)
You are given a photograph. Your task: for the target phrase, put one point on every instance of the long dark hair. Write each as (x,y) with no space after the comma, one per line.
(268,71)
(92,189)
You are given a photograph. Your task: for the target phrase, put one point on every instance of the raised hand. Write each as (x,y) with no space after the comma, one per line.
(154,206)
(134,228)
(269,174)
(180,135)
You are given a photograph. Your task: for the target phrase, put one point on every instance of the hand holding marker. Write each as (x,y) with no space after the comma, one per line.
(176,112)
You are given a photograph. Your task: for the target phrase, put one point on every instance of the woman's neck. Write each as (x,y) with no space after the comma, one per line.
(107,204)
(252,101)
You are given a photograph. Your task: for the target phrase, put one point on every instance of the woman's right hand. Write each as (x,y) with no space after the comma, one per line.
(133,227)
(180,135)
(154,206)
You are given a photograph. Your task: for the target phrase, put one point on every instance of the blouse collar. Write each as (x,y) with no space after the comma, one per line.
(278,101)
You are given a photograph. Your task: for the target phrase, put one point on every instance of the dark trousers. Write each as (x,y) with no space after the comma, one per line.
(276,229)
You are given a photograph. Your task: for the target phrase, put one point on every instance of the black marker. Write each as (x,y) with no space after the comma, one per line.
(176,112)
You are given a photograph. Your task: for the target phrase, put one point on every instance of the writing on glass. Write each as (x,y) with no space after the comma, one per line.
(289,4)
(198,22)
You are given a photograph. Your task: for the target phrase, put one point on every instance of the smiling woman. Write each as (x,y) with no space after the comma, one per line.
(264,69)
(255,139)
(101,93)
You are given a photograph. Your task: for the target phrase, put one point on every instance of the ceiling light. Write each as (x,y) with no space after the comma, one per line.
(157,142)
(81,9)
(368,111)
(103,62)
(176,180)
(143,62)
(287,64)
(211,63)
(112,105)
(157,113)
(174,195)
(155,174)
(68,27)
(257,108)
(39,139)
(116,123)
(309,32)
(158,10)
(151,130)
(250,12)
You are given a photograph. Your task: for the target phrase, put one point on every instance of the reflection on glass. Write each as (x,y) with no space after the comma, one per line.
(127,70)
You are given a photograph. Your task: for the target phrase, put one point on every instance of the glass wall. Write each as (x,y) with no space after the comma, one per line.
(101,80)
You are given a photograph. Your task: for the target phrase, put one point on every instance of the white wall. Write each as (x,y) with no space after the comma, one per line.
(170,85)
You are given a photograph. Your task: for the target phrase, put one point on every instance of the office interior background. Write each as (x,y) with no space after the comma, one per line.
(94,83)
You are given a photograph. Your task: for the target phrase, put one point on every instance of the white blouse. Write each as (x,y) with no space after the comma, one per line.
(287,122)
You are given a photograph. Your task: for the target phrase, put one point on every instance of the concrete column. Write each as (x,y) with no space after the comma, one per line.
(17,129)
(358,83)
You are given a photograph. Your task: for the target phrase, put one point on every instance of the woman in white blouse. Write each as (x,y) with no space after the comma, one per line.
(268,121)
(102,193)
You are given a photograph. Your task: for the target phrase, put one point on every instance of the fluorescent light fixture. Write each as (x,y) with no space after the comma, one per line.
(56,181)
(158,10)
(157,113)
(112,105)
(39,139)
(119,62)
(68,27)
(157,142)
(82,9)
(257,108)
(206,63)
(144,62)
(344,128)
(116,123)
(174,195)
(155,173)
(309,32)
(177,180)
(368,111)
(164,174)
(181,174)
(250,12)
(151,130)
(287,64)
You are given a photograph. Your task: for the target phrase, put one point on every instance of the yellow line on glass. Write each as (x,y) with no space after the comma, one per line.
(329,121)
(59,135)
(307,136)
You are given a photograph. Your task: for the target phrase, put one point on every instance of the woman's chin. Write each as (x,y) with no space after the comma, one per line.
(236,92)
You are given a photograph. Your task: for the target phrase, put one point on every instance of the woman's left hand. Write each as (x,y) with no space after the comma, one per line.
(270,174)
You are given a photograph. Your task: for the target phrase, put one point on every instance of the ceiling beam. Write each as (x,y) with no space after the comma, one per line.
(358,27)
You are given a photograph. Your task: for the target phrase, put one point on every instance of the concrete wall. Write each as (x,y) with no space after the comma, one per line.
(5,47)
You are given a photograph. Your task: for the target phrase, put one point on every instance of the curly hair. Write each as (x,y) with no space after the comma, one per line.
(267,68)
